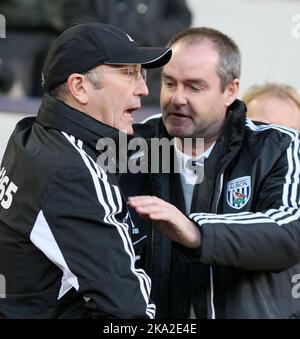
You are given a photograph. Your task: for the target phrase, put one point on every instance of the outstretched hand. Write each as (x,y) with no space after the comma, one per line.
(168,219)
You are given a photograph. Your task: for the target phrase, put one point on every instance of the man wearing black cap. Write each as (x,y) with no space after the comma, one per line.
(65,246)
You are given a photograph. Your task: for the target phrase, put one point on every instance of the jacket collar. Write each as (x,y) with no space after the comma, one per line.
(57,115)
(224,152)
(233,132)
(229,142)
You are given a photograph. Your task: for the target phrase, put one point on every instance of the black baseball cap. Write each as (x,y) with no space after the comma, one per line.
(85,46)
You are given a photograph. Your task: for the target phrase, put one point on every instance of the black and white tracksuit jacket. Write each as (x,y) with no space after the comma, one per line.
(65,234)
(247,209)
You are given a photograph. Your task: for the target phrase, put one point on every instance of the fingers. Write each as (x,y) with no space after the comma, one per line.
(146,204)
(145,200)
(170,221)
(152,207)
(155,208)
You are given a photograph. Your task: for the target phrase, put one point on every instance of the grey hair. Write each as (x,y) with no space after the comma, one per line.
(229,67)
(93,78)
(61,92)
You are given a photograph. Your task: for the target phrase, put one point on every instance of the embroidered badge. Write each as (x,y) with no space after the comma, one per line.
(238,192)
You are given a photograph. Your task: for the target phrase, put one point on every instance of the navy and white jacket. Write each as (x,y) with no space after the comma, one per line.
(65,234)
(247,209)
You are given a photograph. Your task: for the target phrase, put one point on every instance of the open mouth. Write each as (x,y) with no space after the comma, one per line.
(129,112)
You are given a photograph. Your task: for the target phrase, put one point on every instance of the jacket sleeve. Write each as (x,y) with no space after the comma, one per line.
(267,239)
(82,230)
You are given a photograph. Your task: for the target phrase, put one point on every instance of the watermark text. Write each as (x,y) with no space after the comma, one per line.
(2,286)
(2,26)
(157,155)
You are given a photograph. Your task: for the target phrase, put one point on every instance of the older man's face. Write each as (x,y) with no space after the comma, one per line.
(118,95)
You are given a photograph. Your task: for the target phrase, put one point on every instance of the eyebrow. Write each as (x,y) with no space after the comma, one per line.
(199,81)
(126,65)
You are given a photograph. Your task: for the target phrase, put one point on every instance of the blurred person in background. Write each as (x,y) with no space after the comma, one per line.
(6,78)
(31,27)
(149,22)
(274,103)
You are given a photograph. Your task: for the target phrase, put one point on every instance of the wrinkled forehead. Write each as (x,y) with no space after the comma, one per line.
(193,61)
(192,55)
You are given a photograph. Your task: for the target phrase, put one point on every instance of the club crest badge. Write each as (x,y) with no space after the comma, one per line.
(238,192)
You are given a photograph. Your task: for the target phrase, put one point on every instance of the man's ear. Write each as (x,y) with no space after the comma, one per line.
(231,92)
(77,87)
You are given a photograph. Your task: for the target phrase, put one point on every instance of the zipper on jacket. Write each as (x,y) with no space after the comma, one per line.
(220,192)
(152,249)
(211,273)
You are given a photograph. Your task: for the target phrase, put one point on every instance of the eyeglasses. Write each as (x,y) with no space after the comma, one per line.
(132,71)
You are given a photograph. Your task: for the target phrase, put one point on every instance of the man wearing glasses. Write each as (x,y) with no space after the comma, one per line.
(65,246)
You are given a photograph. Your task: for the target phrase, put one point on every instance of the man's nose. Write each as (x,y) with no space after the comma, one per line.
(141,88)
(179,97)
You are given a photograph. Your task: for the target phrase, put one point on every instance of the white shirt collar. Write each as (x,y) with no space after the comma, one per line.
(188,175)
(184,158)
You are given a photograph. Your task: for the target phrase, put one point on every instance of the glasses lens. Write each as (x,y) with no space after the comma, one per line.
(144,73)
(133,71)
